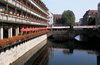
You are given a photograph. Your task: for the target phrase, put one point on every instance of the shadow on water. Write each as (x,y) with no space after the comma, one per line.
(76,43)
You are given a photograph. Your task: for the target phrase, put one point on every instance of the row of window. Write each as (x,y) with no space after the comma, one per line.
(33,8)
(38,2)
(19,13)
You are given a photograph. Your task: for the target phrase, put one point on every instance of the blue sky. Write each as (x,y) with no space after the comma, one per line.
(79,7)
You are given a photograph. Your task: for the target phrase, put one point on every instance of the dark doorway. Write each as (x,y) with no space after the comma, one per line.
(5,32)
(14,32)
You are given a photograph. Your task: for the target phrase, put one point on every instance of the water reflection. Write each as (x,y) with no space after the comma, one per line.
(40,58)
(77,37)
(78,57)
(68,53)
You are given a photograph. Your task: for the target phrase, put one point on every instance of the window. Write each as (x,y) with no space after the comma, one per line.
(18,13)
(2,7)
(11,11)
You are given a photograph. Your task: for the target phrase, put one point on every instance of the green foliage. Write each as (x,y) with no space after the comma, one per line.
(68,18)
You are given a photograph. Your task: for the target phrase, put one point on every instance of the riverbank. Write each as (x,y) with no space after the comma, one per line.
(26,49)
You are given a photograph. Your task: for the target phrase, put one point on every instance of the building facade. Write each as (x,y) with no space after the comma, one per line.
(18,14)
(57,19)
(50,19)
(89,17)
(80,21)
(98,15)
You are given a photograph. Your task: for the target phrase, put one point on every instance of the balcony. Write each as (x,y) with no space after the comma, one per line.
(12,2)
(17,19)
(3,17)
(25,8)
(37,6)
(29,10)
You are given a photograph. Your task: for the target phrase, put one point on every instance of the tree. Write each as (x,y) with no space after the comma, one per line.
(68,18)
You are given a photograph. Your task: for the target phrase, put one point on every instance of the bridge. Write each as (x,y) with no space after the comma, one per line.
(76,27)
(61,32)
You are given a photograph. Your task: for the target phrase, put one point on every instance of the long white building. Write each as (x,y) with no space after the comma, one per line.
(18,14)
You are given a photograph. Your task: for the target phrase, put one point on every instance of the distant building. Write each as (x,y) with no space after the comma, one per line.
(98,15)
(80,21)
(50,19)
(77,24)
(89,17)
(57,20)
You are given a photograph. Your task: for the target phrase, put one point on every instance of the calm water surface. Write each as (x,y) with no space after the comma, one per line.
(65,53)
(77,57)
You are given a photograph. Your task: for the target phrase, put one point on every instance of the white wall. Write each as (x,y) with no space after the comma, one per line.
(13,54)
(50,18)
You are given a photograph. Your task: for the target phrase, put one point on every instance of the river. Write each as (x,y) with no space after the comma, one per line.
(70,52)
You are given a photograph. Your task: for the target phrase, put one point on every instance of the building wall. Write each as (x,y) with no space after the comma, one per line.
(88,16)
(51,19)
(81,21)
(98,15)
(21,14)
(16,15)
(57,20)
(10,56)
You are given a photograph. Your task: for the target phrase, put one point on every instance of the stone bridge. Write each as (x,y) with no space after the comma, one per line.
(66,32)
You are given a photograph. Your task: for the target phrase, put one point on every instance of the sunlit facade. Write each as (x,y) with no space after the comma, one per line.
(18,14)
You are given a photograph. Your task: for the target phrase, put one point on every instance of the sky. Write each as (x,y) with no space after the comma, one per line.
(79,7)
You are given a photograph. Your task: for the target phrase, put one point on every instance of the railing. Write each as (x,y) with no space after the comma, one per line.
(75,27)
(92,26)
(38,7)
(25,8)
(29,8)
(17,19)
